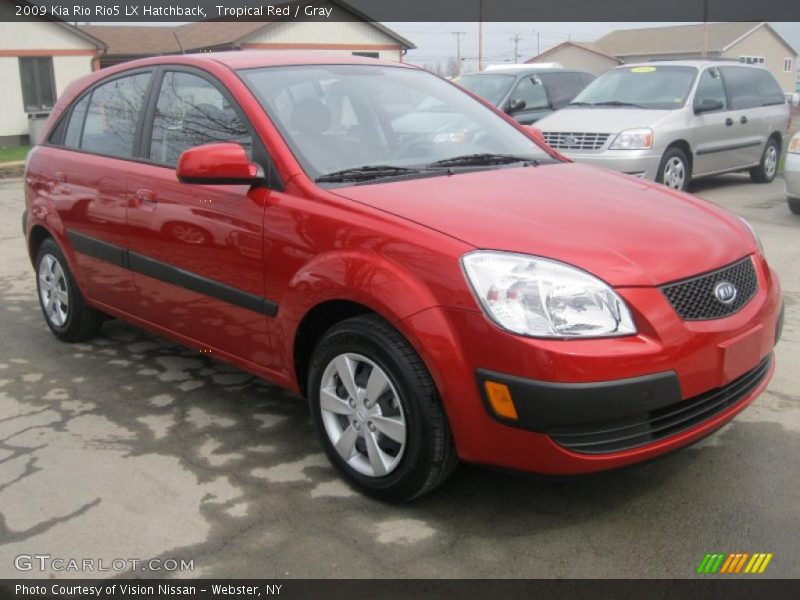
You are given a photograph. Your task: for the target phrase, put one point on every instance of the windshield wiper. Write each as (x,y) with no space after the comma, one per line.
(364,173)
(612,103)
(468,160)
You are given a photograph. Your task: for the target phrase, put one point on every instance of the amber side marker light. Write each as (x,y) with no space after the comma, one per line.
(500,398)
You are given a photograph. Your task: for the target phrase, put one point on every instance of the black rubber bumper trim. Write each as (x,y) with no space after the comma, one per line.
(25,222)
(167,273)
(542,404)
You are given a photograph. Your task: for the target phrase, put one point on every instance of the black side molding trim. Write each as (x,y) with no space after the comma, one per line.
(156,269)
(544,404)
(150,267)
(728,148)
(97,249)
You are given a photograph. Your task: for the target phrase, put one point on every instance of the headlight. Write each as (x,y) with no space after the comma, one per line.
(756,237)
(794,144)
(540,297)
(633,139)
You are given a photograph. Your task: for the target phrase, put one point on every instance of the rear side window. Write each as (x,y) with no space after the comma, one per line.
(768,88)
(112,116)
(72,139)
(191,112)
(562,87)
(742,87)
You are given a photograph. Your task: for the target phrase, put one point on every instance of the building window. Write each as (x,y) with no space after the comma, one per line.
(752,60)
(787,65)
(38,83)
(367,54)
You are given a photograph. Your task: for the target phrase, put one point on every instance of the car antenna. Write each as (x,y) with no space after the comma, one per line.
(175,35)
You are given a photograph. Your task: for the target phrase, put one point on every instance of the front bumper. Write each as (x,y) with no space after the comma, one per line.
(668,362)
(640,163)
(791,175)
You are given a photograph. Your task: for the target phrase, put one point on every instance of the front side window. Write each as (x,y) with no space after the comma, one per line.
(113,114)
(563,87)
(532,93)
(492,88)
(337,117)
(710,87)
(38,83)
(652,87)
(191,112)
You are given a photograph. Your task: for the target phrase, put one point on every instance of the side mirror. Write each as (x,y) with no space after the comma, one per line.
(708,105)
(218,164)
(515,105)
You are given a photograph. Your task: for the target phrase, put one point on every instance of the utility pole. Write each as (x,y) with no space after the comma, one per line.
(705,28)
(538,51)
(480,35)
(516,39)
(458,35)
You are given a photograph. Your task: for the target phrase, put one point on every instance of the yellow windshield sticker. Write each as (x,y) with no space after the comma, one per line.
(643,69)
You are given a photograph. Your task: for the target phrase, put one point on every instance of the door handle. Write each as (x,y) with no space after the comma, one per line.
(145,198)
(728,121)
(743,120)
(61,177)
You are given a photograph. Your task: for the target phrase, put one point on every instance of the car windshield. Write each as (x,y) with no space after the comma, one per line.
(651,86)
(492,88)
(339,117)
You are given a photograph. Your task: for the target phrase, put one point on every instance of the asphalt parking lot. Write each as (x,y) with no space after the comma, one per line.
(133,447)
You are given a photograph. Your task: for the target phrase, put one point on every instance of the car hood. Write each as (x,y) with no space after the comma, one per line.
(626,231)
(600,120)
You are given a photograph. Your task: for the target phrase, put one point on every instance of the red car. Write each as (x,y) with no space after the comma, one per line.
(435,280)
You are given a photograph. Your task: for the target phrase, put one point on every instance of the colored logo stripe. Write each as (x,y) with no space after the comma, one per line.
(737,562)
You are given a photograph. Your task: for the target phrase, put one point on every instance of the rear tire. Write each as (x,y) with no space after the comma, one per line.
(393,439)
(63,306)
(768,167)
(674,171)
(794,205)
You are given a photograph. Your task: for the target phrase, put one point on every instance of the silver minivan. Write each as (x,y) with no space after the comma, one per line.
(674,121)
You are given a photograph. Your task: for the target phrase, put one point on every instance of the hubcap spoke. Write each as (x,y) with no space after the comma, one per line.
(329,401)
(346,444)
(377,384)
(377,458)
(392,428)
(347,374)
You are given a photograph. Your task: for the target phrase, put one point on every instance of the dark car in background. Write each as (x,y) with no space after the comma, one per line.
(527,94)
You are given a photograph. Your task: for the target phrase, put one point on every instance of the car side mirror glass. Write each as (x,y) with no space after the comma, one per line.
(515,105)
(218,164)
(708,105)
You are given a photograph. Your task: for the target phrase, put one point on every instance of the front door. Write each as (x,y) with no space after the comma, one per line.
(715,130)
(196,251)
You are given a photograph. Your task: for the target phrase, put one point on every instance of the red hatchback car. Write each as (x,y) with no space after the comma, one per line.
(438,283)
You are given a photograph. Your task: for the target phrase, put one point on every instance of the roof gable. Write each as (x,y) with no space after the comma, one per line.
(681,39)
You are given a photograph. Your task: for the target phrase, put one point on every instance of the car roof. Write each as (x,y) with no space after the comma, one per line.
(246,59)
(697,63)
(524,72)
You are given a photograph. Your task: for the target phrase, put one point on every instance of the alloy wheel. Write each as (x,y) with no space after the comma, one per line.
(674,173)
(362,414)
(53,290)
(771,161)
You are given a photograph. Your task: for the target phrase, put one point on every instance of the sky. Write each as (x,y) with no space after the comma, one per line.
(436,42)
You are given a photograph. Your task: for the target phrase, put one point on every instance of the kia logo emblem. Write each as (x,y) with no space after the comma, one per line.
(569,140)
(725,292)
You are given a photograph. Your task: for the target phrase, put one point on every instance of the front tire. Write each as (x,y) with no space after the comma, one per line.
(377,411)
(768,167)
(63,306)
(674,171)
(794,205)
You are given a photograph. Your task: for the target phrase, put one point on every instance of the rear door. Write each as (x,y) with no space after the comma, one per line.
(197,250)
(90,166)
(747,139)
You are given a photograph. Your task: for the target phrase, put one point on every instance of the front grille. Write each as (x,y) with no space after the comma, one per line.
(645,428)
(562,140)
(694,299)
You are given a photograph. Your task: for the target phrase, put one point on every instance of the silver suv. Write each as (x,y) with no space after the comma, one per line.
(673,121)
